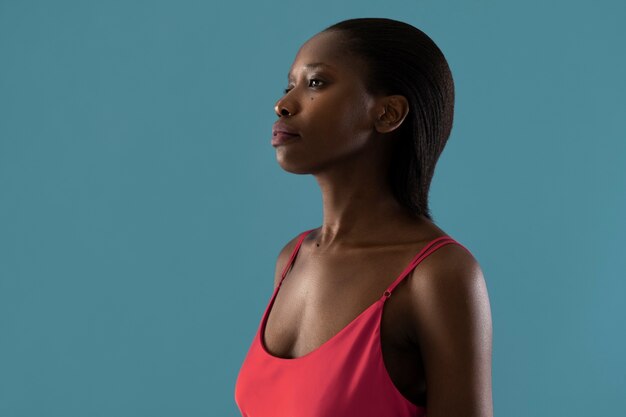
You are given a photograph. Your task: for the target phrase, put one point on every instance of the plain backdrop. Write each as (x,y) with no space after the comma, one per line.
(142,208)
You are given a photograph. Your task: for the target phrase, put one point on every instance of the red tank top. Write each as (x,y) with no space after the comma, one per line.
(344,377)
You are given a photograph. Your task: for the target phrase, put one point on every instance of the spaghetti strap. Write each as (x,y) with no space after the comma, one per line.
(294,253)
(430,247)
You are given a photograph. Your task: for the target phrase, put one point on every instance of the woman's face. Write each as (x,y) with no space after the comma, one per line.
(327,105)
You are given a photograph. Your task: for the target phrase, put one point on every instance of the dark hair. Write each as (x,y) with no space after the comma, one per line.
(401,59)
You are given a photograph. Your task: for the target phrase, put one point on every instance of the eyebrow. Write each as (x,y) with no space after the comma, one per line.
(311,65)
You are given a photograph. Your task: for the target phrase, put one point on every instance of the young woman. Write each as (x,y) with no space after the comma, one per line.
(357,329)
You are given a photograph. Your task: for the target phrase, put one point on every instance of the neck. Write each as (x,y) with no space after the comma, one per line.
(356,210)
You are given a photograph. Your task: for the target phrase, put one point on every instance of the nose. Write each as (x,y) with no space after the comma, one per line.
(282,109)
(282,112)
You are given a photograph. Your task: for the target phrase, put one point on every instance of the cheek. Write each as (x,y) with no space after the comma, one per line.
(344,135)
(343,118)
(352,125)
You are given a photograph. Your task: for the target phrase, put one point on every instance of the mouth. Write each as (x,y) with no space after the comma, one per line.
(282,138)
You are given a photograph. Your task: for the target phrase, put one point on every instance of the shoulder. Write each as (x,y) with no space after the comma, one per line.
(451,323)
(451,267)
(447,287)
(283,257)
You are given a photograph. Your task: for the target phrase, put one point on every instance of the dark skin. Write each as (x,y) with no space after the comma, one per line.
(436,328)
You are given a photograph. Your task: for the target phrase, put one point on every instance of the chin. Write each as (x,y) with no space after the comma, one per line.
(291,166)
(294,169)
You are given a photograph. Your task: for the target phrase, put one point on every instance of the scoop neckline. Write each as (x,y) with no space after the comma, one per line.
(260,334)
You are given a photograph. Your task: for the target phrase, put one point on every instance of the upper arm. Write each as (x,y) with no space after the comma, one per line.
(451,315)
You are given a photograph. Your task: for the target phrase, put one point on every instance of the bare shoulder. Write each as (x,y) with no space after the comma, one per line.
(283,258)
(448,285)
(451,265)
(450,319)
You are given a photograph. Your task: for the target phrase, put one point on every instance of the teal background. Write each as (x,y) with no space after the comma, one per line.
(142,208)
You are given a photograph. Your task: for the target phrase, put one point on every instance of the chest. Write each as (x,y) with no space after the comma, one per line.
(320,297)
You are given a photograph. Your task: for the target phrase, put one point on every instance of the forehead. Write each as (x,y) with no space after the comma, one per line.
(323,50)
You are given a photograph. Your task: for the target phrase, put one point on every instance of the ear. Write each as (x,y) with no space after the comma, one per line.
(391,113)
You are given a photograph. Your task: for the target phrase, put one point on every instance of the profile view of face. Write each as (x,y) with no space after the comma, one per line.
(326,103)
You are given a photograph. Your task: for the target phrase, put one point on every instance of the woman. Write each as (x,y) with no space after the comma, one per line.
(367,111)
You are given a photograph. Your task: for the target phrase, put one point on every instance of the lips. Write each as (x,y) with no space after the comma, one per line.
(282,127)
(283,134)
(281,138)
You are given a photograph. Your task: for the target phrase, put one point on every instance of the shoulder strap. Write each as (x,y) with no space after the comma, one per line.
(294,253)
(430,247)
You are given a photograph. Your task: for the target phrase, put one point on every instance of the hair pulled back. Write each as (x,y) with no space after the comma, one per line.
(401,59)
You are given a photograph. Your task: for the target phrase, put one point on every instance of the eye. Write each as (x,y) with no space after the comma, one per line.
(312,80)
